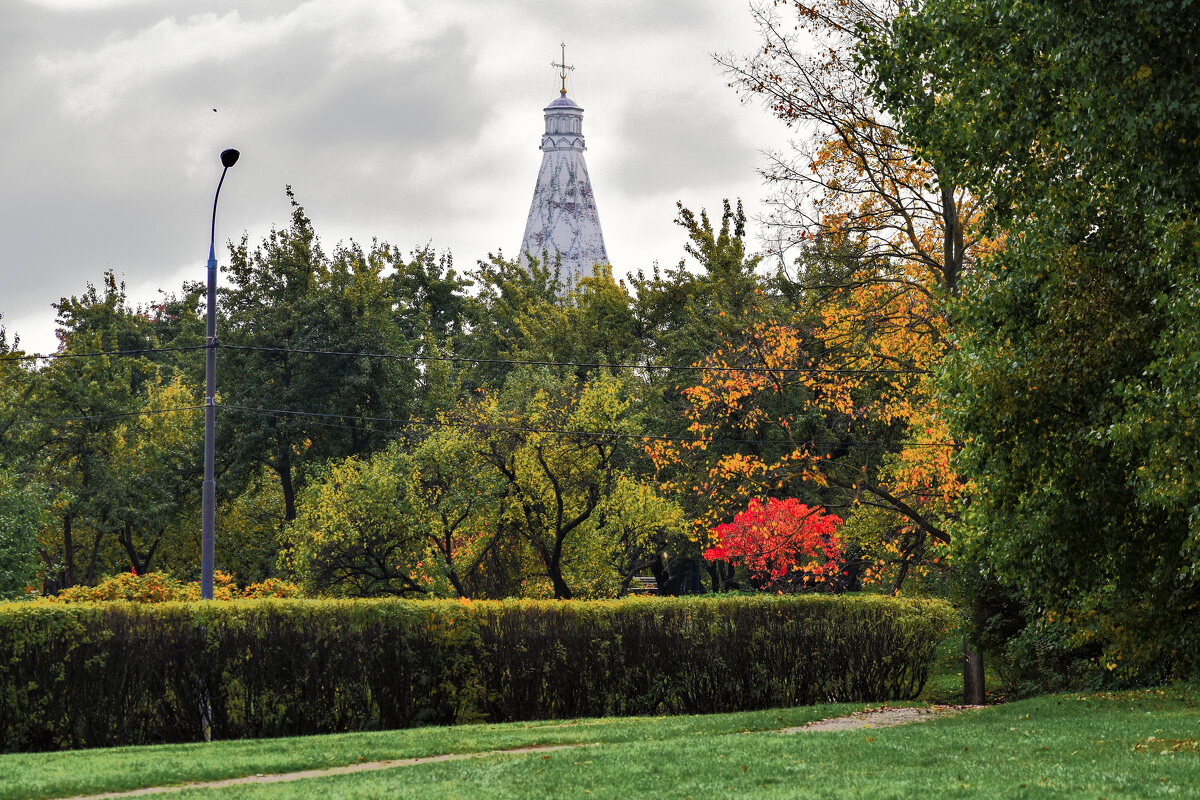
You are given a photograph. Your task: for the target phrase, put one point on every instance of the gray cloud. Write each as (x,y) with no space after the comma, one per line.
(411,121)
(686,142)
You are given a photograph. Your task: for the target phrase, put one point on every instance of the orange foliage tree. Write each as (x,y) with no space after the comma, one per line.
(852,174)
(838,397)
(836,400)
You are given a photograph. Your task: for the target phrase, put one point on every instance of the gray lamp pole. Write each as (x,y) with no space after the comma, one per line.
(209,514)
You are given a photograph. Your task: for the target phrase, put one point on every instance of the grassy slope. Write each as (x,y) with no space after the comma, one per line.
(1062,746)
(1074,745)
(57,774)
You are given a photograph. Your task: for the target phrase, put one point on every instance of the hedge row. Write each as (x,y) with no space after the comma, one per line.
(91,675)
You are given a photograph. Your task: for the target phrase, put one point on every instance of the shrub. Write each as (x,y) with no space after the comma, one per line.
(153,587)
(272,587)
(99,674)
(785,545)
(161,587)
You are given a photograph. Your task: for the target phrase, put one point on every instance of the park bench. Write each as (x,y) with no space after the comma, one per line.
(641,585)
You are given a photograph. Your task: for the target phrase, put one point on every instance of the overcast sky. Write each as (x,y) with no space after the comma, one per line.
(413,121)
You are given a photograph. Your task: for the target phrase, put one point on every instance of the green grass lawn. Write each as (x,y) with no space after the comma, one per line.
(1137,744)
(57,774)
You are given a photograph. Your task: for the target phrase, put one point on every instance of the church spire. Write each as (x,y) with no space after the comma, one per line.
(563,68)
(563,221)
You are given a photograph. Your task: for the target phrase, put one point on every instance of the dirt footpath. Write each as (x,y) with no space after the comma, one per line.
(882,717)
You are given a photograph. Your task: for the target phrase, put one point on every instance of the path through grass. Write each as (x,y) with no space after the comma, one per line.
(1140,744)
(60,774)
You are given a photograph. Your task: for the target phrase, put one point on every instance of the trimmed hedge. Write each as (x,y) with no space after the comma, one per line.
(100,674)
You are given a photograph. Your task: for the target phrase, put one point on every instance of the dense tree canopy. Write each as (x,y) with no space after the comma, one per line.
(874,240)
(118,483)
(22,515)
(289,407)
(1074,383)
(565,452)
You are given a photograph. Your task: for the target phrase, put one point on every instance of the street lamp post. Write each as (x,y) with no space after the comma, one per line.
(209,514)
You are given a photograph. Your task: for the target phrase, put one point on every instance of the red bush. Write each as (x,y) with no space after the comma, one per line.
(786,545)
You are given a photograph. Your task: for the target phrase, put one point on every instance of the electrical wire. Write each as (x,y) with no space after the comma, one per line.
(560,431)
(461,359)
(112,415)
(98,353)
(414,423)
(576,364)
(467,360)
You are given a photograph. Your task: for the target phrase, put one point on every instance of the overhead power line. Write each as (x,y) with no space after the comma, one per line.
(577,364)
(560,431)
(97,354)
(112,415)
(467,360)
(464,425)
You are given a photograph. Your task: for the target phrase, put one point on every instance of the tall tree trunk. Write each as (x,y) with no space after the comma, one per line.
(952,242)
(285,480)
(561,590)
(141,564)
(94,559)
(148,560)
(973,692)
(68,570)
(126,540)
(553,564)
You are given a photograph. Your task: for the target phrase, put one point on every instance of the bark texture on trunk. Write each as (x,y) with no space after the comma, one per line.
(973,693)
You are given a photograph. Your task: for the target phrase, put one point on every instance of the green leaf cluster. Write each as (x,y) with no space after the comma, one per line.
(22,514)
(1074,383)
(531,490)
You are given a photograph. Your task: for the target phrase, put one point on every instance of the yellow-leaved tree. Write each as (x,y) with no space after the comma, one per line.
(835,402)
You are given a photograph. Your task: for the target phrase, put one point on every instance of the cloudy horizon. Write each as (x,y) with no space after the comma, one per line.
(417,124)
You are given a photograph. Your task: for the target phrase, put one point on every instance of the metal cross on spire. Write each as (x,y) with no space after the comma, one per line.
(563,67)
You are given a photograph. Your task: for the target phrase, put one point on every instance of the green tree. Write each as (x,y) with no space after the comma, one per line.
(520,314)
(459,502)
(14,379)
(288,409)
(507,292)
(1074,385)
(22,515)
(403,523)
(248,529)
(435,299)
(355,534)
(79,422)
(433,318)
(155,471)
(690,311)
(69,412)
(566,452)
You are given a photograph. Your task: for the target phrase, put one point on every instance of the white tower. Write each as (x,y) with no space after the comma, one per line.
(562,217)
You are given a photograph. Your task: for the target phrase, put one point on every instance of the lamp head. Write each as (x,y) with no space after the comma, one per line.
(229,158)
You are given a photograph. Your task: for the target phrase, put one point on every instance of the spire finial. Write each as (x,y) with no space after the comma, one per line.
(563,67)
